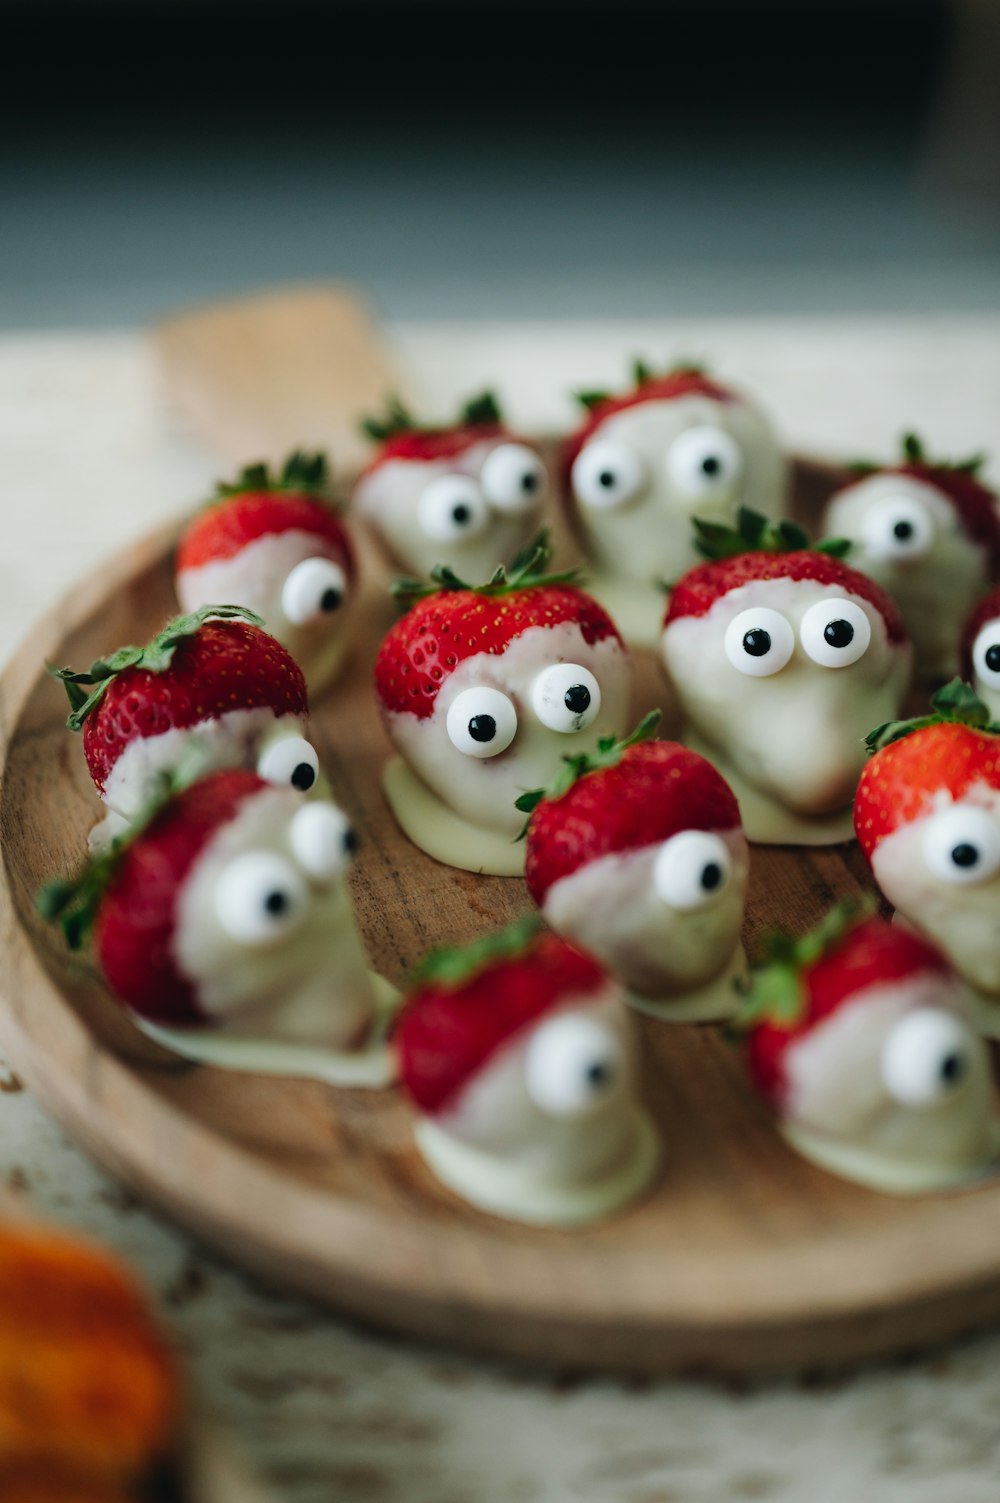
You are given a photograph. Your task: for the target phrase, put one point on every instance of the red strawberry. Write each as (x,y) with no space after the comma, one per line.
(473,1002)
(632,794)
(817,977)
(198,668)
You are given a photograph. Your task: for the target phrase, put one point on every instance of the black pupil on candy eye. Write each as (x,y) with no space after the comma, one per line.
(993,657)
(577,699)
(482,727)
(330,599)
(711,464)
(599,1074)
(303,777)
(461,514)
(903,531)
(965,855)
(529,481)
(350,842)
(607,479)
(711,876)
(952,1068)
(757,642)
(276,902)
(839,633)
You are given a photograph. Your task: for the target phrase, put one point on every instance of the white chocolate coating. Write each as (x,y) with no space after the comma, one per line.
(936,589)
(308,990)
(499,1150)
(840,1112)
(635,606)
(443,834)
(767,821)
(649,539)
(611,908)
(235,739)
(798,735)
(389,500)
(963,920)
(255,578)
(481,791)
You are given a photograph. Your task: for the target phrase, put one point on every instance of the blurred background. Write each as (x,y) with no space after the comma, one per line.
(501,160)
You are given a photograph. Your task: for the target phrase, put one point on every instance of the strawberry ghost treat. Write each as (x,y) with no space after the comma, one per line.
(644,463)
(927,817)
(467,495)
(517,1058)
(981,652)
(929,533)
(777,654)
(225,926)
(274,544)
(482,691)
(211,690)
(859,1038)
(636,852)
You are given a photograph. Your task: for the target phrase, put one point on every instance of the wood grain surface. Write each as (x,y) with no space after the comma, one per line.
(743,1258)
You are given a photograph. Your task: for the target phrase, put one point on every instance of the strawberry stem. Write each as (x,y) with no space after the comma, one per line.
(775,993)
(482,411)
(526,572)
(756,533)
(957,703)
(608,754)
(301,472)
(452,966)
(913,450)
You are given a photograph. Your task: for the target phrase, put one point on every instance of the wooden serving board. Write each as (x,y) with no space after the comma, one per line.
(743,1258)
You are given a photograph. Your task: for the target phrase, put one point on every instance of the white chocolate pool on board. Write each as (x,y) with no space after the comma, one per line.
(717,1000)
(443,834)
(877,1172)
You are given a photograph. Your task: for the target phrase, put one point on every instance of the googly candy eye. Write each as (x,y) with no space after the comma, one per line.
(290,760)
(835,633)
(705,461)
(573,1064)
(260,899)
(898,529)
(759,642)
(513,478)
(323,841)
(927,1057)
(691,870)
(481,722)
(315,588)
(452,507)
(986,655)
(607,474)
(962,845)
(566,697)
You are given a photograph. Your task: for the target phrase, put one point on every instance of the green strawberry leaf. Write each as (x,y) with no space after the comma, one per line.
(481,411)
(754,533)
(301,471)
(452,966)
(527,571)
(395,420)
(591,399)
(912,450)
(957,703)
(775,993)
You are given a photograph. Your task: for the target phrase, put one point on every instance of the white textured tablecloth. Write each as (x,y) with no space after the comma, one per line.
(89,458)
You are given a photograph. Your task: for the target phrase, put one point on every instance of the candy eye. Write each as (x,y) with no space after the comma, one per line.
(566,698)
(898,528)
(607,474)
(573,1065)
(986,655)
(452,507)
(314,589)
(705,461)
(962,845)
(835,633)
(481,722)
(759,642)
(323,841)
(513,478)
(927,1057)
(260,899)
(691,870)
(291,760)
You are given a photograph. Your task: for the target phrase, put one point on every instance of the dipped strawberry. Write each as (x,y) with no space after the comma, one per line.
(927,817)
(646,462)
(211,690)
(483,690)
(274,544)
(929,532)
(467,495)
(517,1057)
(981,652)
(779,654)
(636,853)
(225,925)
(859,1038)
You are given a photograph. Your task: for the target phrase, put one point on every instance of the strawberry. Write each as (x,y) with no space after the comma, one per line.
(226,900)
(215,672)
(466,494)
(273,543)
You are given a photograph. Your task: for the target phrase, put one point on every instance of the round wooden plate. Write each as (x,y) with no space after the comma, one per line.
(743,1258)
